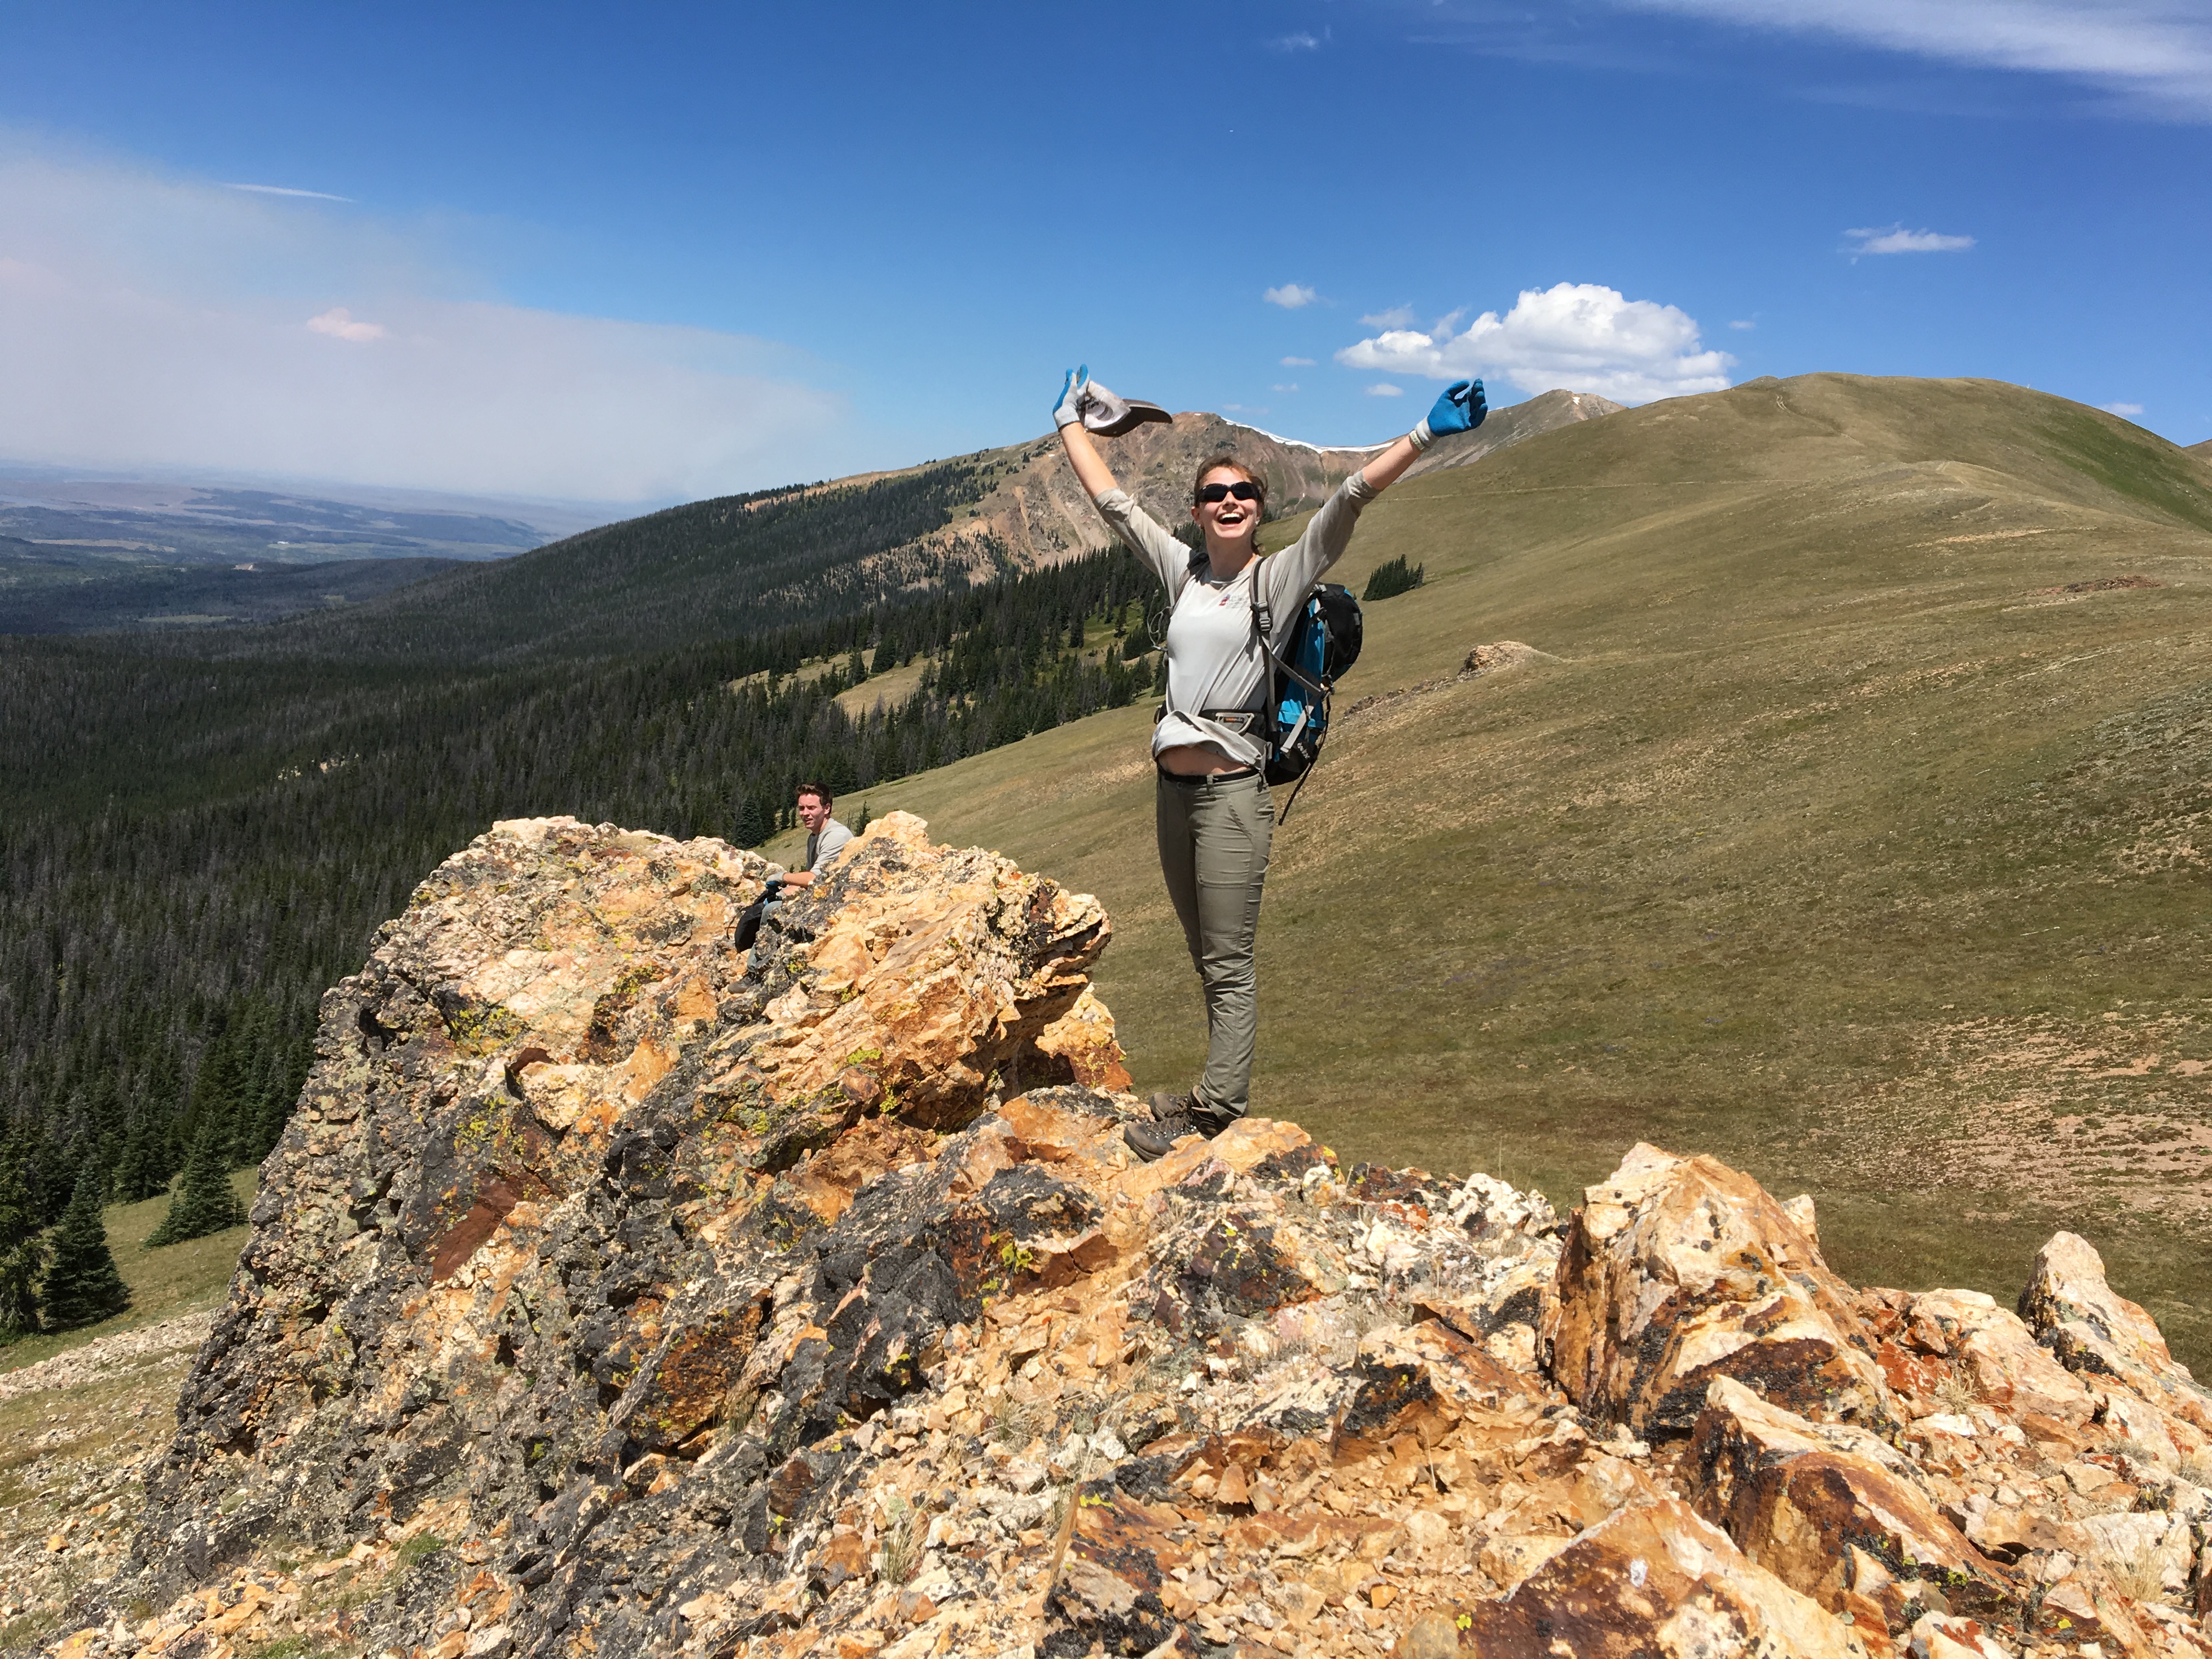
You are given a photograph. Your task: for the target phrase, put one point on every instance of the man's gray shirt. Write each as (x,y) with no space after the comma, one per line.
(825,844)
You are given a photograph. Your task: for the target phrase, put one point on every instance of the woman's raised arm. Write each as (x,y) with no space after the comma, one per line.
(1459,408)
(1091,469)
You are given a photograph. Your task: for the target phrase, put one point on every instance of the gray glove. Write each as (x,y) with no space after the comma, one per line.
(1069,410)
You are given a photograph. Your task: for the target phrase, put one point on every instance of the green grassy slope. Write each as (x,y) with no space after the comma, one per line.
(1859,833)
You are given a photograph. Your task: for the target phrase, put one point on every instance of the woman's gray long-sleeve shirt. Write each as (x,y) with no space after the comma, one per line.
(1214,665)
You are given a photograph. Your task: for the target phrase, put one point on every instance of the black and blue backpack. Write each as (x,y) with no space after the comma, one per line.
(1320,644)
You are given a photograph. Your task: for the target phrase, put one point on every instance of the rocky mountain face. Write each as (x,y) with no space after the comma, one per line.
(611,1293)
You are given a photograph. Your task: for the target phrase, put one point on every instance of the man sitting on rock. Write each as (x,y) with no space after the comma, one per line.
(825,839)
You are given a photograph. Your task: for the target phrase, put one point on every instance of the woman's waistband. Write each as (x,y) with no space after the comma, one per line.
(1200,779)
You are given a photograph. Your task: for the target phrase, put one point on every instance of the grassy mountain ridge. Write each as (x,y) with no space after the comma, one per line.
(1852,827)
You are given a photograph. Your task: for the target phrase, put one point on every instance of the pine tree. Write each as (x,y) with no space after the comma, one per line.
(81,1286)
(223,1086)
(142,1172)
(203,1202)
(752,827)
(22,1255)
(286,1075)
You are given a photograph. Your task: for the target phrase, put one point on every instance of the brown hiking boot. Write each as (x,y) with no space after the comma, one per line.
(1174,1116)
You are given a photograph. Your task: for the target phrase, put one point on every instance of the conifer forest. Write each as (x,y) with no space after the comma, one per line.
(203,830)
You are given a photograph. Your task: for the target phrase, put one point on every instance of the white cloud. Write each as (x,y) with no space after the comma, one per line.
(1302,41)
(2121,409)
(1384,389)
(1290,296)
(2155,52)
(1396,317)
(282,190)
(1896,238)
(150,321)
(1743,323)
(339,324)
(1579,336)
(1290,386)
(1298,362)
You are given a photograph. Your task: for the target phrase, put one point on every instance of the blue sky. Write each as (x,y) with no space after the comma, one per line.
(666,251)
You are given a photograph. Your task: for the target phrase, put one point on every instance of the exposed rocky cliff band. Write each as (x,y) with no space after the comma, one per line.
(607,1297)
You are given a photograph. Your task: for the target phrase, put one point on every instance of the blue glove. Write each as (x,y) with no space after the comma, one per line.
(1069,410)
(1459,408)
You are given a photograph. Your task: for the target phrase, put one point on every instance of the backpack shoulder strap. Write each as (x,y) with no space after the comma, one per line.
(1263,613)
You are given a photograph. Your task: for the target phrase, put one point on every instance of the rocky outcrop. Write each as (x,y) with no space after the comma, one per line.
(1837,1512)
(2076,1314)
(610,1296)
(1678,1271)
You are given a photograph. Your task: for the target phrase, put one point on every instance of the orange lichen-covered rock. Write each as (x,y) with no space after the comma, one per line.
(1836,1512)
(612,1292)
(1677,1271)
(2097,1333)
(1655,1582)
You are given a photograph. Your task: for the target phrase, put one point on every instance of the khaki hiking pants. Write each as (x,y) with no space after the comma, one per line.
(1214,839)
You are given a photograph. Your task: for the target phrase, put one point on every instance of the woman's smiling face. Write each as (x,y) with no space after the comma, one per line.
(1232,518)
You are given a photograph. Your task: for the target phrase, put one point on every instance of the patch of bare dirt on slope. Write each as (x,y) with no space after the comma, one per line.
(2118,1108)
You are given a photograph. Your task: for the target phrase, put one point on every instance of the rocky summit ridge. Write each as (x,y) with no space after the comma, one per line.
(607,1295)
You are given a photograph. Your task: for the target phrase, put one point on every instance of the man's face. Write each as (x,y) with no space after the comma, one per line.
(813,812)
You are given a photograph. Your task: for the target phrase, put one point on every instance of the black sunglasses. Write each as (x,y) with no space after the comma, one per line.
(1243,490)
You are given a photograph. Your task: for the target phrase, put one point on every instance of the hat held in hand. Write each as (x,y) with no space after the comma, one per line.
(1110,416)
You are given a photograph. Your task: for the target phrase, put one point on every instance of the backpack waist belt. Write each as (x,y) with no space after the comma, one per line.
(1238,721)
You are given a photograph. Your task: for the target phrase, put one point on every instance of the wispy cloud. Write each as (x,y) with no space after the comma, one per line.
(1744,323)
(1298,362)
(2121,409)
(151,321)
(1301,40)
(338,323)
(284,189)
(1290,295)
(2155,53)
(1896,238)
(1384,389)
(1396,317)
(1289,386)
(1579,336)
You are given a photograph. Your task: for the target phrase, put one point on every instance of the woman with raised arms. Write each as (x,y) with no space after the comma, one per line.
(1213,815)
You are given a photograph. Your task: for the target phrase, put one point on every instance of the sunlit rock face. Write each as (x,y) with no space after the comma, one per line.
(607,1294)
